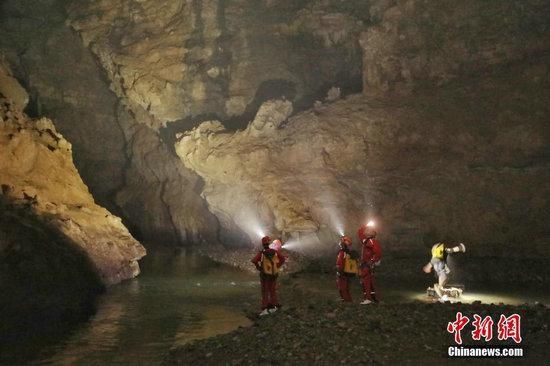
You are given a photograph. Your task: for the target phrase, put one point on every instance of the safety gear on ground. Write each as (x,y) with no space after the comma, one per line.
(444,298)
(438,290)
(266,240)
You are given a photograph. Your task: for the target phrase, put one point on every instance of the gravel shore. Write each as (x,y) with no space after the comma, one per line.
(315,328)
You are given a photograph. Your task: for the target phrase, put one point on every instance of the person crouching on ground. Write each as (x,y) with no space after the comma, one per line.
(268,262)
(438,263)
(371,253)
(346,267)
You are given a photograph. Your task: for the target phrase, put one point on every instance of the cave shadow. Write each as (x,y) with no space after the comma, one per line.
(48,285)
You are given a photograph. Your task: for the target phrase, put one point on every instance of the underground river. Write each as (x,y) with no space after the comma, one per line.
(181,297)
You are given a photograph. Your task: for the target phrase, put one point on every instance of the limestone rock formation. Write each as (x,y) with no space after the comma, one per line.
(128,168)
(136,66)
(419,42)
(468,163)
(180,59)
(10,86)
(166,61)
(37,172)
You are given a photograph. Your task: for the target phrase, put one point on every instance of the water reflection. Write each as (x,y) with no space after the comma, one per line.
(101,334)
(216,320)
(141,319)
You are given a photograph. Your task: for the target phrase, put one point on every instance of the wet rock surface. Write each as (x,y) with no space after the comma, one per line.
(314,329)
(37,172)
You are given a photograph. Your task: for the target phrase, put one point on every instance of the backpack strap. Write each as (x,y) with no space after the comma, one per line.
(269,259)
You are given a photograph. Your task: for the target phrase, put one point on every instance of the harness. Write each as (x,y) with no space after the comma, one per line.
(270,264)
(351,266)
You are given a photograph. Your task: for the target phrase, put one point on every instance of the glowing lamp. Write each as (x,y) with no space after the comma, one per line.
(370,224)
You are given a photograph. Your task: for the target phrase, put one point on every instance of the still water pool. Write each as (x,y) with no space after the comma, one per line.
(176,299)
(180,297)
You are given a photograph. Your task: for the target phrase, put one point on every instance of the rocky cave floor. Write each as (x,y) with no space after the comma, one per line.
(314,327)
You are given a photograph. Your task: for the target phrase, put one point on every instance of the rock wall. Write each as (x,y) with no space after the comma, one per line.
(126,165)
(37,172)
(468,162)
(182,59)
(141,69)
(418,43)
(133,66)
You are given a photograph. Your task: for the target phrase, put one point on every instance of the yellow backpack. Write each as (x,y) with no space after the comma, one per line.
(438,251)
(270,266)
(351,265)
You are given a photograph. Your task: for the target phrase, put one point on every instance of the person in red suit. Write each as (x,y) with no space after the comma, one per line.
(371,253)
(267,262)
(342,268)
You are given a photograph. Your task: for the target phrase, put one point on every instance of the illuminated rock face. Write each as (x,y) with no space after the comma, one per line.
(127,167)
(180,59)
(467,164)
(114,72)
(37,173)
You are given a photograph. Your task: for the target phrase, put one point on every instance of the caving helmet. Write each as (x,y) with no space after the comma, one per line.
(345,240)
(266,240)
(277,244)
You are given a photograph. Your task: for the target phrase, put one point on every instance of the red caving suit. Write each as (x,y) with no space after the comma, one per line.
(268,282)
(342,280)
(371,253)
